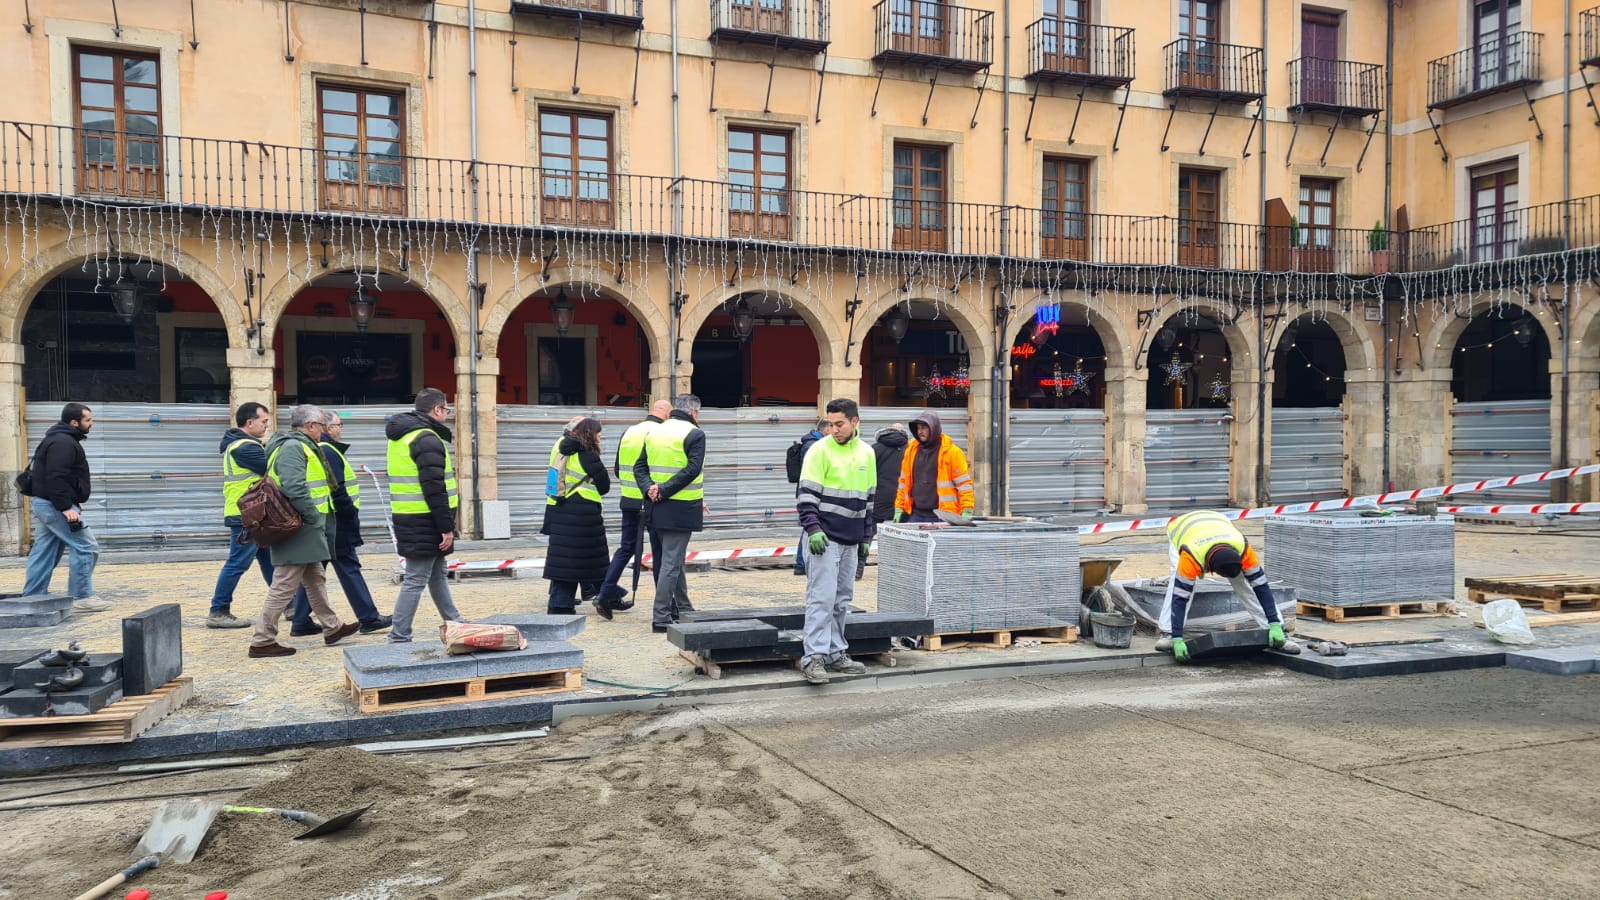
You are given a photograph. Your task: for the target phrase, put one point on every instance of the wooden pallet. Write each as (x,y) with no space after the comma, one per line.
(1374,611)
(999,640)
(1555,593)
(464,690)
(118,723)
(713,670)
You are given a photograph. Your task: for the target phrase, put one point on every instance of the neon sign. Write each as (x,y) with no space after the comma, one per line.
(1024,351)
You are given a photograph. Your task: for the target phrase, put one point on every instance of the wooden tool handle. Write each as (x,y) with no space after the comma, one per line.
(111,884)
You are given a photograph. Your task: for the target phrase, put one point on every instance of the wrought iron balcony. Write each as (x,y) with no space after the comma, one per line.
(933,33)
(1504,234)
(621,13)
(1493,66)
(787,24)
(1335,85)
(1589,53)
(1230,73)
(1074,53)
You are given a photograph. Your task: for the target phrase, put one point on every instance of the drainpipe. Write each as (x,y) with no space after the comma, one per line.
(1566,234)
(998,402)
(677,220)
(1261,308)
(474,295)
(1388,222)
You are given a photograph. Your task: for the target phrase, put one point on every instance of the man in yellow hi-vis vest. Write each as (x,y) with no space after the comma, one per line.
(244,462)
(672,466)
(1204,542)
(629,449)
(295,463)
(423,501)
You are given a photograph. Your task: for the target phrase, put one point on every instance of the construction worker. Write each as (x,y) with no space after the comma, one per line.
(933,475)
(1205,542)
(837,484)
(609,600)
(673,464)
(244,461)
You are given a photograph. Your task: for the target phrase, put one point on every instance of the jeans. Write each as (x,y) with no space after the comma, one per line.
(632,519)
(800,553)
(239,558)
(53,535)
(347,568)
(672,588)
(830,586)
(422,571)
(564,596)
(921,517)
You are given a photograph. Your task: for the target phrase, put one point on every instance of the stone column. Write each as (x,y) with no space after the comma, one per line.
(250,379)
(486,473)
(1125,421)
(837,381)
(980,444)
(1363,446)
(1582,422)
(1251,429)
(13,506)
(1420,429)
(661,383)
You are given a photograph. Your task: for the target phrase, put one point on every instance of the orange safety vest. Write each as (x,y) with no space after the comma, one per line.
(955,480)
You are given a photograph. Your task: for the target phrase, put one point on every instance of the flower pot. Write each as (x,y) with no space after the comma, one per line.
(1380,262)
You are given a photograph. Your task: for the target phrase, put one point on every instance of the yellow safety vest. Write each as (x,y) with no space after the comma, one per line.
(351,486)
(316,476)
(1200,531)
(405,479)
(235,479)
(664,447)
(572,481)
(628,453)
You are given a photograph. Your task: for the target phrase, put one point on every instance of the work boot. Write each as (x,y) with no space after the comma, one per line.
(815,671)
(381,623)
(342,632)
(270,650)
(844,665)
(226,619)
(1164,642)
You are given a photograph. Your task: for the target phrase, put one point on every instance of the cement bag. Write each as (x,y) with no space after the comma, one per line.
(464,637)
(1507,623)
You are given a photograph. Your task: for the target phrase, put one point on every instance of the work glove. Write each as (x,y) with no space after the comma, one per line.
(966,513)
(1275,638)
(1180,650)
(817,542)
(899,515)
(861,552)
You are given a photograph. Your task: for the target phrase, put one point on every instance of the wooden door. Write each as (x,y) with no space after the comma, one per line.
(118,100)
(1317,215)
(1065,35)
(1497,41)
(1494,211)
(362,136)
(1319,57)
(1199,23)
(762,16)
(1064,198)
(1199,194)
(919,26)
(919,197)
(575,180)
(759,184)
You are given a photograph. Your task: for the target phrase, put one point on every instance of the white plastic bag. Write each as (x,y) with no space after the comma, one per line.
(1507,623)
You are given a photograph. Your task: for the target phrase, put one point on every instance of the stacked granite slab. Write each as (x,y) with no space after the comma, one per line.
(995,576)
(1215,607)
(34,610)
(10,660)
(101,686)
(1347,560)
(777,633)
(426,662)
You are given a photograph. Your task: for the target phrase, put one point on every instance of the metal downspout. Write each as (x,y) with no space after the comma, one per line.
(474,293)
(1566,234)
(1261,301)
(998,402)
(674,306)
(1388,228)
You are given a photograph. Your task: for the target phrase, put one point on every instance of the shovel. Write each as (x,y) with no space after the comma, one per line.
(316,826)
(173,837)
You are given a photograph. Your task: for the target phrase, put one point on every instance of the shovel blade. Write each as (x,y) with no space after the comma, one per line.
(337,823)
(178,830)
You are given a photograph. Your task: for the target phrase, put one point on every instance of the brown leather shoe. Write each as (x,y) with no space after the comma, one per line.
(270,650)
(343,632)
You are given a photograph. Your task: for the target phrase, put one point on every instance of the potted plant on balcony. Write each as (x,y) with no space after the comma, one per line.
(1378,243)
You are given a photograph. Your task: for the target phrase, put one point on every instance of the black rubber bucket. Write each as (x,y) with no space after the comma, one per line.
(1112,631)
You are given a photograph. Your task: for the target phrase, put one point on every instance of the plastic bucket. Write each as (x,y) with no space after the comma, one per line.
(1112,631)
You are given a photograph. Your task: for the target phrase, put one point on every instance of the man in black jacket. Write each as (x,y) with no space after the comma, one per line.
(423,500)
(888,448)
(672,464)
(60,488)
(244,462)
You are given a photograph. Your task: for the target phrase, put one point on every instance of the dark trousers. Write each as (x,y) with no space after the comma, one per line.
(564,596)
(629,544)
(347,566)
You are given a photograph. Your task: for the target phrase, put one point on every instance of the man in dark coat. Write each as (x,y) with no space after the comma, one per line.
(806,440)
(60,488)
(577,554)
(347,520)
(673,464)
(244,462)
(888,448)
(423,501)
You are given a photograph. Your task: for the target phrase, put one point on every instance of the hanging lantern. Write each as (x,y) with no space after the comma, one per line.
(1165,338)
(744,321)
(125,299)
(561,311)
(897,322)
(1524,332)
(361,309)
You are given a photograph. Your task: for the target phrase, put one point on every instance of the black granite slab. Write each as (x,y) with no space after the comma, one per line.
(1410,659)
(860,626)
(152,648)
(721,635)
(790,646)
(10,659)
(1218,645)
(97,668)
(776,616)
(23,703)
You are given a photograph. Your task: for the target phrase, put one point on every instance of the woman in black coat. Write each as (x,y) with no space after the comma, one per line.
(577,554)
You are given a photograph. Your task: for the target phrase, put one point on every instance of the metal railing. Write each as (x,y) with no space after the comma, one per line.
(1335,84)
(633,9)
(922,31)
(254,177)
(1212,69)
(1589,54)
(1079,52)
(804,21)
(1495,64)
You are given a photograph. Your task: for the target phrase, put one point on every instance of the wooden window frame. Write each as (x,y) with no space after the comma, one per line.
(915,235)
(1503,216)
(138,182)
(364,194)
(1199,63)
(914,13)
(1063,233)
(1317,242)
(1064,37)
(761,16)
(756,219)
(577,206)
(1199,237)
(1506,50)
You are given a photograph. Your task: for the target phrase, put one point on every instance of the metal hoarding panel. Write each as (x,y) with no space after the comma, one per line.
(525,435)
(1058,461)
(1307,455)
(1186,458)
(1497,439)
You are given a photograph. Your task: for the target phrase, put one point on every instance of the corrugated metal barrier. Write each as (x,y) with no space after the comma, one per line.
(369,446)
(1058,461)
(1307,455)
(1186,458)
(1492,440)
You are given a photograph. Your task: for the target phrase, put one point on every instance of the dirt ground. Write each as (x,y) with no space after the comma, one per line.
(1212,782)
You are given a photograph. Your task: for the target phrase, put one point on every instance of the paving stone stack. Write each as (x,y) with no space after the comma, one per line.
(777,633)
(1347,560)
(34,610)
(101,685)
(1215,606)
(426,662)
(995,576)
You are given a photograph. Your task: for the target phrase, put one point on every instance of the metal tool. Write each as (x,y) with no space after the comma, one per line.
(950,518)
(316,826)
(173,837)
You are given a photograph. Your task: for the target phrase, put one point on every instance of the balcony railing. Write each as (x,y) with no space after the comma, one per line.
(220,177)
(1494,65)
(1335,85)
(930,32)
(790,24)
(623,13)
(1227,72)
(1589,54)
(1096,55)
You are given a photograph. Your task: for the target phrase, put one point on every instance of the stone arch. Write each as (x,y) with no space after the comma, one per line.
(830,339)
(979,337)
(1119,344)
(17,294)
(1439,343)
(637,305)
(282,292)
(1360,354)
(1241,344)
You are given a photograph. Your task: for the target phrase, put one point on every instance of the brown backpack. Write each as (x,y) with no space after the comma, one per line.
(267,516)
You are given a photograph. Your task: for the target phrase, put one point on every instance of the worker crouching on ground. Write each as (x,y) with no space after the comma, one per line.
(837,483)
(578,479)
(933,475)
(1206,542)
